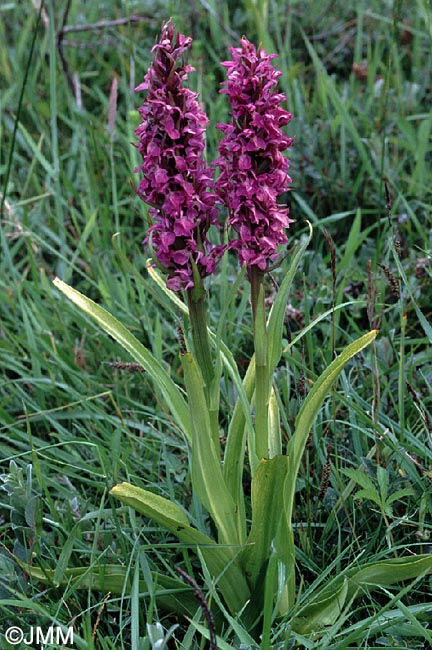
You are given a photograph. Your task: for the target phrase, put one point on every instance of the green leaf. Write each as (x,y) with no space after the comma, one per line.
(422,318)
(275,438)
(221,560)
(259,444)
(355,239)
(271,529)
(275,321)
(138,352)
(383,482)
(389,572)
(324,611)
(202,629)
(161,283)
(207,477)
(361,478)
(341,108)
(165,512)
(399,494)
(235,449)
(313,323)
(173,595)
(312,404)
(217,342)
(241,419)
(225,352)
(352,584)
(372,495)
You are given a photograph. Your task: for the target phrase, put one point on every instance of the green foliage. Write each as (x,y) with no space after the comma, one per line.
(377,493)
(72,426)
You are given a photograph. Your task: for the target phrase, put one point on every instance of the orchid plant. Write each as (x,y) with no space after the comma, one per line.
(251,559)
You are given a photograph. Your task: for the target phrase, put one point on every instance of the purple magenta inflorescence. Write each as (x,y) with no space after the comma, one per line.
(253,171)
(176,182)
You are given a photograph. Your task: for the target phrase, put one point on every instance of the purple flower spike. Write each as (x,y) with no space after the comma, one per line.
(176,179)
(253,171)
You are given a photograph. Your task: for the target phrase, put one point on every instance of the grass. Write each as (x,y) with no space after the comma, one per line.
(72,425)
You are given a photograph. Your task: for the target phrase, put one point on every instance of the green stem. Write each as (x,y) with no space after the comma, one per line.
(261,368)
(198,322)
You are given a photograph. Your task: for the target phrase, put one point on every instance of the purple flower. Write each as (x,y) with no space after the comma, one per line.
(176,181)
(253,171)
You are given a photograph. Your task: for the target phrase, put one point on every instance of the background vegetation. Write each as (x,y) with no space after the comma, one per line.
(73,421)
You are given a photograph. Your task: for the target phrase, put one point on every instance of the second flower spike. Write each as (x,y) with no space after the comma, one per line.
(253,171)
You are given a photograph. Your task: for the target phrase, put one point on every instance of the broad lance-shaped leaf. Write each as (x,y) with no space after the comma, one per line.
(241,420)
(271,530)
(138,352)
(207,477)
(172,594)
(221,560)
(243,401)
(389,572)
(313,403)
(322,608)
(325,610)
(275,438)
(235,450)
(260,443)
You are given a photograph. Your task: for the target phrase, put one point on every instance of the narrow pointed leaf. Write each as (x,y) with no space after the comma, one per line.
(322,612)
(207,477)
(313,403)
(221,560)
(275,321)
(172,595)
(138,352)
(399,494)
(271,529)
(427,328)
(389,572)
(354,582)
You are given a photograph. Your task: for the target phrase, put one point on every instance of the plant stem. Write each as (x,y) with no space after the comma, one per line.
(261,377)
(198,322)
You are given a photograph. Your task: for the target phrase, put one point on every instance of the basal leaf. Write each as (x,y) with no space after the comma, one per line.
(139,353)
(354,582)
(389,572)
(207,477)
(221,560)
(322,612)
(271,529)
(313,403)
(172,594)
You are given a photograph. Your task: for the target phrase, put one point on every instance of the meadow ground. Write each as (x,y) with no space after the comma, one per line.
(75,420)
